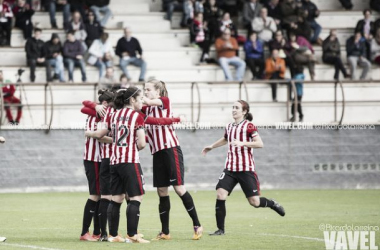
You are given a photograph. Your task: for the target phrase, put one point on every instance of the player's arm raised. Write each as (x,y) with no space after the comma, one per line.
(219,143)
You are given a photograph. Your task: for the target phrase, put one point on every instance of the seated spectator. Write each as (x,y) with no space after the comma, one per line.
(54,58)
(73,53)
(301,28)
(274,11)
(289,12)
(101,7)
(108,80)
(35,53)
(375,48)
(188,12)
(23,14)
(77,26)
(199,36)
(254,56)
(93,29)
(356,54)
(124,82)
(9,98)
(312,12)
(302,53)
(212,15)
(126,49)
(251,10)
(375,5)
(170,6)
(264,25)
(331,54)
(280,43)
(199,6)
(225,23)
(53,4)
(274,70)
(101,54)
(299,77)
(347,4)
(226,48)
(366,27)
(5,24)
(80,5)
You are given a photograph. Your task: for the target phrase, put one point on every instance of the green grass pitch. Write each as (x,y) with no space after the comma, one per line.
(53,220)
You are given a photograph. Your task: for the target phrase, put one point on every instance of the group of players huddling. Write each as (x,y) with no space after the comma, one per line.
(118,127)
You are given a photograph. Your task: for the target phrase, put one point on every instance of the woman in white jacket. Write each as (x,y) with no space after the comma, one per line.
(264,25)
(101,54)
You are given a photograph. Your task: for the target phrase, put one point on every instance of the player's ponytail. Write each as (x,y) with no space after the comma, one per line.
(123,97)
(105,95)
(245,106)
(159,85)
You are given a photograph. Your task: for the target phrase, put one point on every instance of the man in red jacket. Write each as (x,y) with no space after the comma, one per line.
(9,98)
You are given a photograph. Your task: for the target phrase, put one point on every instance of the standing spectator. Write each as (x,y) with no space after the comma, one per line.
(299,77)
(200,36)
(73,53)
(52,10)
(347,4)
(77,26)
(6,16)
(274,11)
(356,54)
(226,47)
(366,27)
(35,53)
(108,80)
(251,10)
(331,54)
(212,15)
(375,5)
(93,29)
(264,25)
(101,54)
(101,7)
(375,48)
(126,49)
(280,43)
(312,12)
(54,58)
(188,11)
(9,99)
(254,56)
(23,14)
(274,70)
(170,6)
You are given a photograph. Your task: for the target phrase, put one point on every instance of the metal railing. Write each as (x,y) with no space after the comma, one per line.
(195,90)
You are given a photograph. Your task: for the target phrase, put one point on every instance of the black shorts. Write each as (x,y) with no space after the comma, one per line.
(105,177)
(127,178)
(92,174)
(168,168)
(248,181)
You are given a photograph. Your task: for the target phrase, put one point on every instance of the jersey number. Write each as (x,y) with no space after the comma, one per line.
(222,176)
(119,141)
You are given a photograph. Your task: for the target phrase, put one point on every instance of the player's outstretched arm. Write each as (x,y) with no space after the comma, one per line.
(98,134)
(2,139)
(256,143)
(152,102)
(105,139)
(221,142)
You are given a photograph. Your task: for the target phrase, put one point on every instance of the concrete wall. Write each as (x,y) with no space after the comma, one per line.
(297,159)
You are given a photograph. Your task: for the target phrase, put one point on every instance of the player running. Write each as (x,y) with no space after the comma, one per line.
(168,166)
(242,137)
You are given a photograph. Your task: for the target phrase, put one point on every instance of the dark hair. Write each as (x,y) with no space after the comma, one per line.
(105,95)
(124,96)
(105,35)
(245,106)
(365,11)
(37,30)
(72,32)
(123,76)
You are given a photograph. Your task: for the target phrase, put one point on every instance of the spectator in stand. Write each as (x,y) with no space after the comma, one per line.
(170,6)
(101,54)
(77,26)
(264,25)
(366,27)
(23,14)
(280,43)
(301,28)
(275,70)
(124,82)
(73,53)
(188,11)
(226,48)
(93,29)
(126,49)
(299,77)
(289,12)
(347,4)
(274,11)
(108,81)
(79,5)
(331,54)
(101,7)
(6,16)
(225,23)
(199,35)
(9,99)
(254,56)
(312,12)
(53,49)
(375,5)
(53,4)
(199,6)
(231,6)
(35,53)
(251,10)
(212,15)
(375,48)
(356,54)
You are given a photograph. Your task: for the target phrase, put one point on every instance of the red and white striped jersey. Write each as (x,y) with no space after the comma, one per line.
(124,124)
(107,147)
(160,137)
(240,158)
(93,148)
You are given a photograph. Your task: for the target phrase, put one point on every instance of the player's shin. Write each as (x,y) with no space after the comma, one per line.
(113,214)
(88,213)
(190,207)
(133,216)
(164,209)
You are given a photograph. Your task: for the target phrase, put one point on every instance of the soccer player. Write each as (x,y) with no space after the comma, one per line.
(168,166)
(127,127)
(242,137)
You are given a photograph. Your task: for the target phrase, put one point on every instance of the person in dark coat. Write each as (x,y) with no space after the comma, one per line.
(23,14)
(54,58)
(93,29)
(366,27)
(35,53)
(356,54)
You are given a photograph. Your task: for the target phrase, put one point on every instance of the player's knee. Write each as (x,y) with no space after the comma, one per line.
(95,197)
(220,195)
(254,202)
(163,191)
(180,190)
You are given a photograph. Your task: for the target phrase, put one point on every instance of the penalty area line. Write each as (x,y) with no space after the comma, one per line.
(293,236)
(27,246)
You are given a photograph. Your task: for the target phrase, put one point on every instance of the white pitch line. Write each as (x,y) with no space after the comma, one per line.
(28,246)
(293,236)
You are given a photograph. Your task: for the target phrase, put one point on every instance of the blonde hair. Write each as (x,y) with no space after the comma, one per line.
(159,85)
